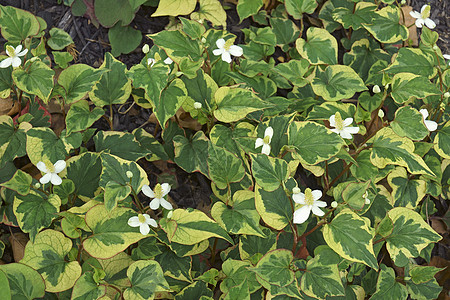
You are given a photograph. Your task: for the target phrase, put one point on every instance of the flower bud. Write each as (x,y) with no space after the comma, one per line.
(203,40)
(446,94)
(145,49)
(367,201)
(435,48)
(197,105)
(403,2)
(169,214)
(129,174)
(334,204)
(376,89)
(381,113)
(295,190)
(37,185)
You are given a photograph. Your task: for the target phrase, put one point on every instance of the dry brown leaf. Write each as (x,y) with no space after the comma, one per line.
(6,106)
(18,242)
(409,21)
(438,226)
(186,121)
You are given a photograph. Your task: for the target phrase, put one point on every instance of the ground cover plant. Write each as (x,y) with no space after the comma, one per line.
(324,135)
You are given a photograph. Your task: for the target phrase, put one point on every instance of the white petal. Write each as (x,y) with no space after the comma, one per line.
(42,167)
(217,52)
(56,180)
(46,178)
(226,57)
(317,194)
(152,222)
(265,149)
(446,56)
(430,23)
(299,198)
(424,113)
(18,48)
(236,50)
(6,62)
(151,62)
(332,121)
(259,142)
(345,134)
(59,166)
(25,51)
(431,125)
(168,61)
(134,221)
(348,122)
(419,22)
(16,61)
(302,214)
(423,8)
(317,211)
(320,203)
(415,14)
(166,204)
(220,43)
(148,191)
(269,132)
(352,130)
(165,187)
(144,229)
(335,130)
(154,204)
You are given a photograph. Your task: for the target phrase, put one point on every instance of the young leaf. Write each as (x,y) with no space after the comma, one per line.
(442,141)
(320,48)
(388,287)
(59,39)
(20,183)
(248,8)
(407,85)
(223,166)
(121,144)
(386,27)
(273,207)
(408,122)
(87,288)
(296,8)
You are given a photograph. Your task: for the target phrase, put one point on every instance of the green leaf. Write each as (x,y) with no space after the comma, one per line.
(211,10)
(177,45)
(124,39)
(409,123)
(121,144)
(4,285)
(385,26)
(62,59)
(84,170)
(413,60)
(174,266)
(421,274)
(363,13)
(191,227)
(313,142)
(321,47)
(406,86)
(325,110)
(248,8)
(241,218)
(175,8)
(274,268)
(294,71)
(388,287)
(170,100)
(269,172)
(12,139)
(71,224)
(153,80)
(111,232)
(59,39)
(47,255)
(34,212)
(17,24)
(115,192)
(146,279)
(113,87)
(273,207)
(109,13)
(237,272)
(197,290)
(80,117)
(155,151)
(201,88)
(192,28)
(87,288)
(24,282)
(424,291)
(296,8)
(224,167)
(409,236)
(353,194)
(350,236)
(20,183)
(441,141)
(234,104)
(190,154)
(35,78)
(252,247)
(285,31)
(364,169)
(389,148)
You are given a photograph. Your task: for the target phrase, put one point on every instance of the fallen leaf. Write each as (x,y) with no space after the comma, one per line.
(18,242)
(407,21)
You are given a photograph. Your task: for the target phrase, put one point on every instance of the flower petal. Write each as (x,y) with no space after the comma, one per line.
(430,23)
(46,178)
(335,130)
(6,62)
(345,134)
(302,214)
(42,167)
(352,130)
(16,61)
(236,50)
(431,125)
(259,142)
(148,191)
(317,194)
(55,179)
(25,51)
(217,52)
(220,43)
(134,221)
(226,57)
(415,14)
(446,56)
(419,22)
(348,122)
(168,61)
(165,187)
(423,8)
(317,211)
(59,166)
(299,198)
(424,113)
(154,204)
(320,203)
(332,121)
(144,229)
(268,132)
(265,149)
(18,49)
(166,204)
(152,222)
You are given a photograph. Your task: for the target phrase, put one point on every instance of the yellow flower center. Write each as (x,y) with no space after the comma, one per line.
(141,218)
(228,44)
(266,139)
(50,167)
(309,199)
(10,51)
(158,191)
(426,12)
(338,121)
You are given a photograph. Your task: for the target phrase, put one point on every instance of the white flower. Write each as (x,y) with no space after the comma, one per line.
(197,105)
(265,142)
(13,58)
(423,17)
(151,62)
(226,50)
(142,220)
(145,49)
(168,61)
(366,198)
(431,125)
(447,57)
(160,191)
(376,89)
(310,201)
(51,172)
(342,127)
